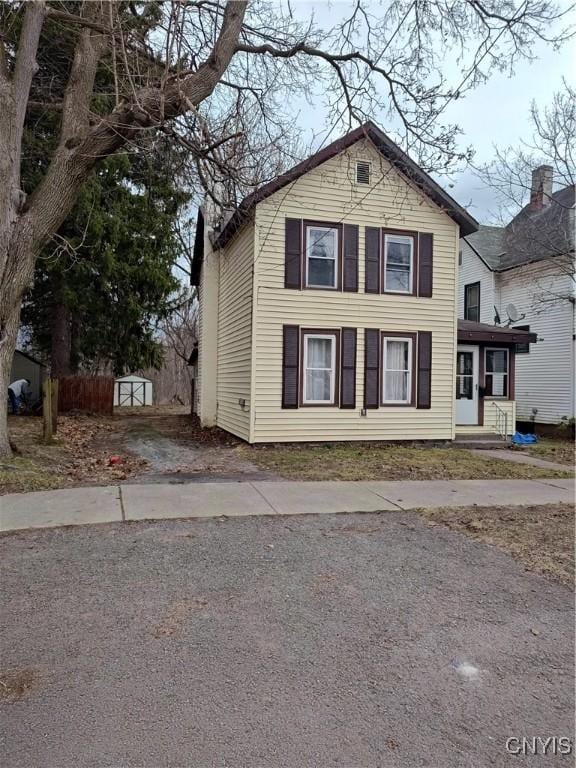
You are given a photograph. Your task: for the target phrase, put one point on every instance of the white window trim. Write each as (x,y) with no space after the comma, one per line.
(335,259)
(403,239)
(385,340)
(332,337)
(491,373)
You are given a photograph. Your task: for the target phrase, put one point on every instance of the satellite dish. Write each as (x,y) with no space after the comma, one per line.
(512,313)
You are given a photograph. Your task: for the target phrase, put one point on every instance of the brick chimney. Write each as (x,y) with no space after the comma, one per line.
(541,190)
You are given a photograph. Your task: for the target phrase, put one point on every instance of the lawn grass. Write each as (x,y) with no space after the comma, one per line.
(561,451)
(541,538)
(388,462)
(18,475)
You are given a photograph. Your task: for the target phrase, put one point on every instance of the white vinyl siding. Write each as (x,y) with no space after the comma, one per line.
(235,334)
(491,418)
(473,270)
(545,377)
(329,194)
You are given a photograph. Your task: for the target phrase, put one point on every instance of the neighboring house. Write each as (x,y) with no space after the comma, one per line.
(327,308)
(530,264)
(24,366)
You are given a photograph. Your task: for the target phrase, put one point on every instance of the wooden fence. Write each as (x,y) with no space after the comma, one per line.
(94,394)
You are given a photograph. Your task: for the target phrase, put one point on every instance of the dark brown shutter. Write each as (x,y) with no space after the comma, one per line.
(350,281)
(425,247)
(348,369)
(424,395)
(293,254)
(290,360)
(372,250)
(371,368)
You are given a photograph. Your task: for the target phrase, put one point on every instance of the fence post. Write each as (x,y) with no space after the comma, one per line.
(47,410)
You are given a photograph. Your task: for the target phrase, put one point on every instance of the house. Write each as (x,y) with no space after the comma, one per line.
(523,276)
(24,366)
(327,308)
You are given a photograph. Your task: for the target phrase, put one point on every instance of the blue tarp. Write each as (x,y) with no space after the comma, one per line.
(519,439)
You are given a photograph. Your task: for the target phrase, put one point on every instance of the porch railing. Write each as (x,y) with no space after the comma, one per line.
(501,422)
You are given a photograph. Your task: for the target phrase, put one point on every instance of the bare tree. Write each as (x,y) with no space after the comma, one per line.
(549,235)
(553,143)
(180,57)
(179,331)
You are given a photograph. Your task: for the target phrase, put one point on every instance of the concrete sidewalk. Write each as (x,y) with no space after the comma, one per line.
(521,458)
(79,506)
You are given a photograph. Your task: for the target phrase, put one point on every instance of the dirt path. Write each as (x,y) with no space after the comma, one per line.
(176,450)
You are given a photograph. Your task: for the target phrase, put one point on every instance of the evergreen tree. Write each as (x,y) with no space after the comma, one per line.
(106,278)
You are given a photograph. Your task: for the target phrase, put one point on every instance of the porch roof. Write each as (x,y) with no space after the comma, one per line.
(468,331)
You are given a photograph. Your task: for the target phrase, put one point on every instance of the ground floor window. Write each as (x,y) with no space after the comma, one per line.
(496,371)
(319,369)
(397,353)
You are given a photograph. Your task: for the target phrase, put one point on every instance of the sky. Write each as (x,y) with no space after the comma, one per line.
(495,113)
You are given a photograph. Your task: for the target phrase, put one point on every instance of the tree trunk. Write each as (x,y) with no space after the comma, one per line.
(61,341)
(9,321)
(26,225)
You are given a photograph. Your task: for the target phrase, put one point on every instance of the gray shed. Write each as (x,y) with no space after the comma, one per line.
(24,366)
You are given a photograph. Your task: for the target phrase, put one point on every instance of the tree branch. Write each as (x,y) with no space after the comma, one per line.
(26,66)
(80,86)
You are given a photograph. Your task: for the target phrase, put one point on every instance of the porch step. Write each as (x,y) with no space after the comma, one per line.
(481,441)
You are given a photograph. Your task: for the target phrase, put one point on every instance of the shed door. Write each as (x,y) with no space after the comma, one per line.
(131,393)
(467,385)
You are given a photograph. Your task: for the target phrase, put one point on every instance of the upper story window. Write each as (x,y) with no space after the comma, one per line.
(319,379)
(398,263)
(496,373)
(472,302)
(522,349)
(362,172)
(322,256)
(397,355)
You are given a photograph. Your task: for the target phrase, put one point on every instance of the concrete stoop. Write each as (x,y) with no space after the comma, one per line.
(481,441)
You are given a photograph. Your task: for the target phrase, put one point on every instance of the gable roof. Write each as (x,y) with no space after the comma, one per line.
(29,357)
(386,147)
(533,235)
(488,243)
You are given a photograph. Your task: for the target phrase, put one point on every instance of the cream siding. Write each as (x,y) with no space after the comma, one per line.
(473,270)
(235,334)
(545,377)
(327,193)
(491,418)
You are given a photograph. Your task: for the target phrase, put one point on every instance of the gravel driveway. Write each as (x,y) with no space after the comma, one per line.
(297,642)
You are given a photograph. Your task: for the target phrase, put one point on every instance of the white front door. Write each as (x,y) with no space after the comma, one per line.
(467,385)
